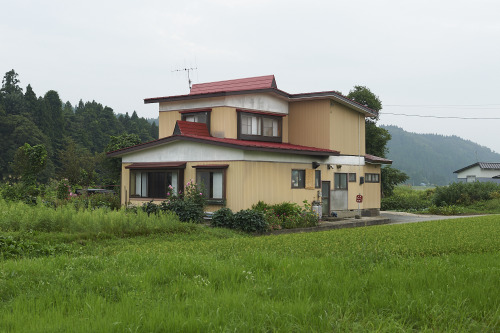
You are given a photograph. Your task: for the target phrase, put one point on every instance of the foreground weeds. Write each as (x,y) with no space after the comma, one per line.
(432,276)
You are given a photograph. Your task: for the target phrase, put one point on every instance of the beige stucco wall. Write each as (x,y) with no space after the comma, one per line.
(309,123)
(372,191)
(223,122)
(248,182)
(347,130)
(167,121)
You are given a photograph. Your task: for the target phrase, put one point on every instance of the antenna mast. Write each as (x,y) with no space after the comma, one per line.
(186,70)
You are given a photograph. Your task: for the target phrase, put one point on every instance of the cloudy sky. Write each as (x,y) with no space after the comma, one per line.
(425,58)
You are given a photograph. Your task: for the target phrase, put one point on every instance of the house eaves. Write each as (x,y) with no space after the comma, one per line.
(273,147)
(333,95)
(482,165)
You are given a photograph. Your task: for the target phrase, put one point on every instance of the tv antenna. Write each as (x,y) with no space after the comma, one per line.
(186,70)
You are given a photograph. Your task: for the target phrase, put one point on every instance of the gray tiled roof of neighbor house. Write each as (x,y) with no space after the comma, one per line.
(482,165)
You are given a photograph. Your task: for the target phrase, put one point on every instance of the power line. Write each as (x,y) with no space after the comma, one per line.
(441,117)
(449,106)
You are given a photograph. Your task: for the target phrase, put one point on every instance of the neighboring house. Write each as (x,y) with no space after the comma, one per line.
(479,172)
(248,141)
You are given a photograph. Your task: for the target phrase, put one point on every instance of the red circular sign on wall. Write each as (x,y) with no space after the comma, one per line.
(359,198)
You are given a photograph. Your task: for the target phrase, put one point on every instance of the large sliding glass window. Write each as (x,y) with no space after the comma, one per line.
(153,183)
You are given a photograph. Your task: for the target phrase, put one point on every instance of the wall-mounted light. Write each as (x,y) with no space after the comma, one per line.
(315,165)
(339,166)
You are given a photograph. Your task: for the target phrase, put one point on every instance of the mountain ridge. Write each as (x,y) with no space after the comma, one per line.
(432,158)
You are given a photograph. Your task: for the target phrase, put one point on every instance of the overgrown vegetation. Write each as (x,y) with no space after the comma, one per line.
(263,217)
(437,276)
(189,205)
(455,199)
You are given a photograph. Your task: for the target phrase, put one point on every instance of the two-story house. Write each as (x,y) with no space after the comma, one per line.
(247,141)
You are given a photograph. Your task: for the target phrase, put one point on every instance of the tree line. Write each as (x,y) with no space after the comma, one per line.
(74,137)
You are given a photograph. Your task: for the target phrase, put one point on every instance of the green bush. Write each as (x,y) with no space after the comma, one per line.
(464,193)
(286,209)
(250,221)
(17,247)
(272,220)
(261,206)
(97,200)
(223,218)
(446,210)
(186,210)
(407,199)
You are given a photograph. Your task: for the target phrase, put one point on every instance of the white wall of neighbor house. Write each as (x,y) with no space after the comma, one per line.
(261,102)
(478,172)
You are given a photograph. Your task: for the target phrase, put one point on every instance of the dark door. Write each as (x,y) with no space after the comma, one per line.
(325,198)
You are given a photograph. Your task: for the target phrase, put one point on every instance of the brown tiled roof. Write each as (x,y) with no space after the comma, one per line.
(482,165)
(375,159)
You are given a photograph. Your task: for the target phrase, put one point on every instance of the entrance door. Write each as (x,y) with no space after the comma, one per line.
(325,198)
(339,193)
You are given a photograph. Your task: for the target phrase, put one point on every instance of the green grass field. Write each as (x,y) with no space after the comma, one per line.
(430,276)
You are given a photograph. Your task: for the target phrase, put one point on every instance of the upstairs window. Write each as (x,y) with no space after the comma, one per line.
(259,127)
(197,117)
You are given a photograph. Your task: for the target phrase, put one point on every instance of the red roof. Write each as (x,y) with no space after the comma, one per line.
(231,143)
(264,144)
(191,128)
(251,83)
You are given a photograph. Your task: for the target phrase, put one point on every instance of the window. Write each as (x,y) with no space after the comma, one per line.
(471,179)
(340,181)
(213,182)
(352,177)
(252,126)
(153,183)
(317,178)
(298,178)
(197,117)
(372,178)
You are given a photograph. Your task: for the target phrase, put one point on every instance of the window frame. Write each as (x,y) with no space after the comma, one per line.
(260,118)
(353,179)
(372,178)
(206,113)
(211,169)
(317,179)
(299,183)
(335,182)
(149,184)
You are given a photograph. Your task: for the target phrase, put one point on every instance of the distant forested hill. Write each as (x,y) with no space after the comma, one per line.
(74,136)
(432,158)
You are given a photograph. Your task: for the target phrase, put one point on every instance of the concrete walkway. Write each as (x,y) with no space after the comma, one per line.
(384,218)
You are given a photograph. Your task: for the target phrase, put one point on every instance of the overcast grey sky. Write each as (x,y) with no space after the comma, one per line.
(426,58)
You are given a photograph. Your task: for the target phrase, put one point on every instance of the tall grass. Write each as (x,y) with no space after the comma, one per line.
(434,276)
(19,217)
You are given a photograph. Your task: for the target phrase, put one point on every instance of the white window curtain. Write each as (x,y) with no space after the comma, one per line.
(217,185)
